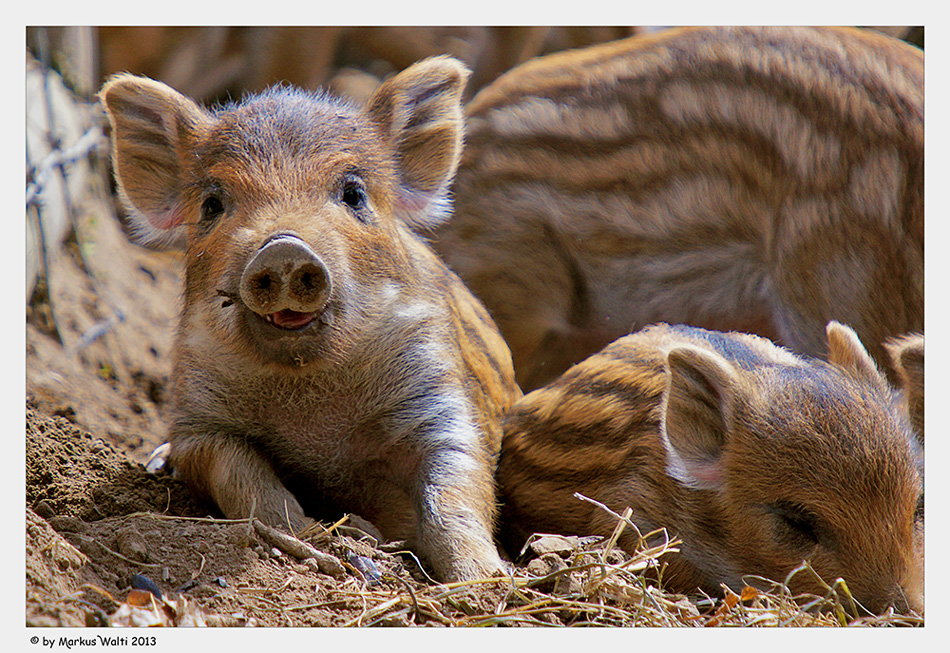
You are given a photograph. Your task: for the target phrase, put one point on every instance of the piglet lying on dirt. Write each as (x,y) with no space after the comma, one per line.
(757,459)
(326,360)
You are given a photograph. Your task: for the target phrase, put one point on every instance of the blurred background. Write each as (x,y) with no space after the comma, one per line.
(217,63)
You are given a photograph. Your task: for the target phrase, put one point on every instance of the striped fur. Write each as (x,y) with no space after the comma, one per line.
(754,457)
(387,403)
(753,179)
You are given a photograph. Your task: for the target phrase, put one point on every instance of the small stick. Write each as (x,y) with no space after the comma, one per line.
(626,520)
(415,602)
(622,521)
(287,519)
(327,563)
(120,556)
(201,568)
(421,568)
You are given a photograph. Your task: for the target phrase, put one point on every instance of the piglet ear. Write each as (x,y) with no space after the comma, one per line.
(152,125)
(419,112)
(846,352)
(697,413)
(907,356)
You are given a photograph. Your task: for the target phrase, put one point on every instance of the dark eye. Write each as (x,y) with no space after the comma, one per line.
(353,193)
(796,524)
(211,209)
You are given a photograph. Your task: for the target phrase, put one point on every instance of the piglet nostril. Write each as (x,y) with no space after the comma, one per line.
(264,286)
(308,284)
(261,290)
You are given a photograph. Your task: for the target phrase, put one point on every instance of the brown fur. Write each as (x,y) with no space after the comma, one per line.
(765,180)
(756,458)
(388,403)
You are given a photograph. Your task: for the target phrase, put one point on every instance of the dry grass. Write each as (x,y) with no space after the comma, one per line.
(592,591)
(597,585)
(572,582)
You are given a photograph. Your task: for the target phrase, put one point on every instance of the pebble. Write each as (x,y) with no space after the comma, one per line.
(44,509)
(141,582)
(554,544)
(130,543)
(66,524)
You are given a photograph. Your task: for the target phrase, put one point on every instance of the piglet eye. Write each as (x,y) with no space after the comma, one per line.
(211,209)
(796,524)
(353,193)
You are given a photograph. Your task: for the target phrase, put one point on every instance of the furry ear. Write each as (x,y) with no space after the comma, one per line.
(697,411)
(846,352)
(419,111)
(149,121)
(907,356)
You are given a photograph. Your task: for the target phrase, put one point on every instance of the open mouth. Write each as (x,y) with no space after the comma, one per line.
(290,320)
(286,336)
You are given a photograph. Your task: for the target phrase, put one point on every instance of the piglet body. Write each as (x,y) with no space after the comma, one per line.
(326,360)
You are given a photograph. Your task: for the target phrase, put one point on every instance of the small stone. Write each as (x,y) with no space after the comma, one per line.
(44,509)
(366,567)
(67,524)
(563,546)
(327,565)
(549,563)
(130,543)
(142,582)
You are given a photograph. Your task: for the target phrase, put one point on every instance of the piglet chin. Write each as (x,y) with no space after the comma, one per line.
(288,319)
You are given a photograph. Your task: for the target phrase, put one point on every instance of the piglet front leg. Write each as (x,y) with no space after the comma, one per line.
(237,479)
(454,520)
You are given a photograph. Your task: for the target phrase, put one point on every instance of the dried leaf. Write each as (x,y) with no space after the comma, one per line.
(729,601)
(748,593)
(139,598)
(187,613)
(140,609)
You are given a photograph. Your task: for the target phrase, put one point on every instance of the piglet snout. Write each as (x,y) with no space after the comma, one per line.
(286,282)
